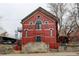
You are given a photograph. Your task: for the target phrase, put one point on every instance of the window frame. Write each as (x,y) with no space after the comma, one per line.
(30,24)
(51,32)
(40,25)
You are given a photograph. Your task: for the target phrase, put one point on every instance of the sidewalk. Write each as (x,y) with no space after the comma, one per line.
(48,54)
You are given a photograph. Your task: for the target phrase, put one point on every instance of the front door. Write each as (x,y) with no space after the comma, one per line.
(38,39)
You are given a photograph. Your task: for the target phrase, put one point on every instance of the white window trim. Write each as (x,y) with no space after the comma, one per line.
(51,32)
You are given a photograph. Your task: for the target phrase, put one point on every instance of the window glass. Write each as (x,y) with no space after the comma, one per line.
(38,23)
(26,33)
(38,39)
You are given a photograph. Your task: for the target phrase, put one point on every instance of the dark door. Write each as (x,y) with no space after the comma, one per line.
(38,39)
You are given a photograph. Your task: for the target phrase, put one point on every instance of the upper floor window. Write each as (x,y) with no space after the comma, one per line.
(30,24)
(46,24)
(38,23)
(26,33)
(51,32)
(38,17)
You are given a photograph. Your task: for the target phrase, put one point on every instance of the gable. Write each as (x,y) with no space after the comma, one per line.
(42,11)
(34,18)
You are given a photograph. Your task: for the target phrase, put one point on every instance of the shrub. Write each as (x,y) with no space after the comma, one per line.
(35,47)
(6,49)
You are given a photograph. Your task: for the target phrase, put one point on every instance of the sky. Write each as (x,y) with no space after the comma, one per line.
(12,14)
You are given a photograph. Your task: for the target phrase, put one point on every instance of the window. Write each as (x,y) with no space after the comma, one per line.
(26,33)
(46,24)
(38,23)
(30,24)
(51,32)
(38,17)
(38,39)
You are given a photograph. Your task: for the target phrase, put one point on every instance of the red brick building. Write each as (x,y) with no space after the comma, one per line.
(40,26)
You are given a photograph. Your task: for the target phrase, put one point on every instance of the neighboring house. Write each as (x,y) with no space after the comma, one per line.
(40,26)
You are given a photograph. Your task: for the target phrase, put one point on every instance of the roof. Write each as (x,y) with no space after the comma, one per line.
(43,11)
(8,37)
(7,40)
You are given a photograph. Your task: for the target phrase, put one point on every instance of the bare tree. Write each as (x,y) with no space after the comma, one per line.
(74,15)
(59,10)
(77,4)
(68,23)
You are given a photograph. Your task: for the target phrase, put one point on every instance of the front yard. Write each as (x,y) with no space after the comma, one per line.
(9,50)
